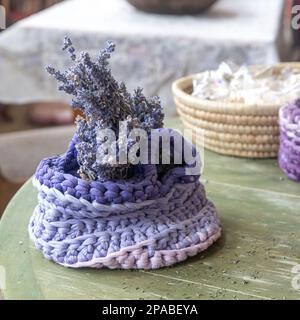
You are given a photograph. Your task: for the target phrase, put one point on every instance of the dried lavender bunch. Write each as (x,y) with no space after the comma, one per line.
(147,111)
(104,102)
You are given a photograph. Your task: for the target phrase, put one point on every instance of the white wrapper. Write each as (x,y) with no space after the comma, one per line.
(260,85)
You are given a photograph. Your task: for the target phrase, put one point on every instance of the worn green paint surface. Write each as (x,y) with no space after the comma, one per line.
(260,214)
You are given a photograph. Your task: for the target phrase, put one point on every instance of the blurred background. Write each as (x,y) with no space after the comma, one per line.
(157,42)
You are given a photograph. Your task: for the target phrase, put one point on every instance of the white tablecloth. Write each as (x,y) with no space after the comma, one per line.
(152,50)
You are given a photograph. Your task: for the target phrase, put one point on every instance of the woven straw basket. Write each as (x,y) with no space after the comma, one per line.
(231,128)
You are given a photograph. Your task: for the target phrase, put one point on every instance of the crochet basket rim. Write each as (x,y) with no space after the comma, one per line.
(52,173)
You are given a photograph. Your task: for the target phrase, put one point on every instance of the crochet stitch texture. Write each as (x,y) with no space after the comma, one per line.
(146,222)
(91,214)
(289,150)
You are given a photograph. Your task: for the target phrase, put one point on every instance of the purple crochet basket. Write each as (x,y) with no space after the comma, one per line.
(149,221)
(289,150)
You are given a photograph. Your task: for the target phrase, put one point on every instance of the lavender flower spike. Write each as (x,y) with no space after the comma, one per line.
(104,102)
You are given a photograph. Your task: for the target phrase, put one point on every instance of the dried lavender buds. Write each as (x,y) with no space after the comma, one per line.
(104,102)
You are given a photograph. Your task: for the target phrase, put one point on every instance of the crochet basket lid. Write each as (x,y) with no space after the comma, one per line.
(148,222)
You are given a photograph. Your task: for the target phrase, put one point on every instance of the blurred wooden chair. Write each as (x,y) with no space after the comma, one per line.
(19,9)
(20,153)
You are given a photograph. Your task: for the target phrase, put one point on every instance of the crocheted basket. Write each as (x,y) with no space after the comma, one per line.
(149,221)
(230,128)
(289,150)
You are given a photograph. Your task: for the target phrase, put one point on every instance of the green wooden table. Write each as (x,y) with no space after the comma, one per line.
(260,214)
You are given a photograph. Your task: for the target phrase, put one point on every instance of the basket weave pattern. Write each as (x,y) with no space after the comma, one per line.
(233,128)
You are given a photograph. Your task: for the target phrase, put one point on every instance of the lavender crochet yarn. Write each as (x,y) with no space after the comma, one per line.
(146,222)
(95,212)
(289,150)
